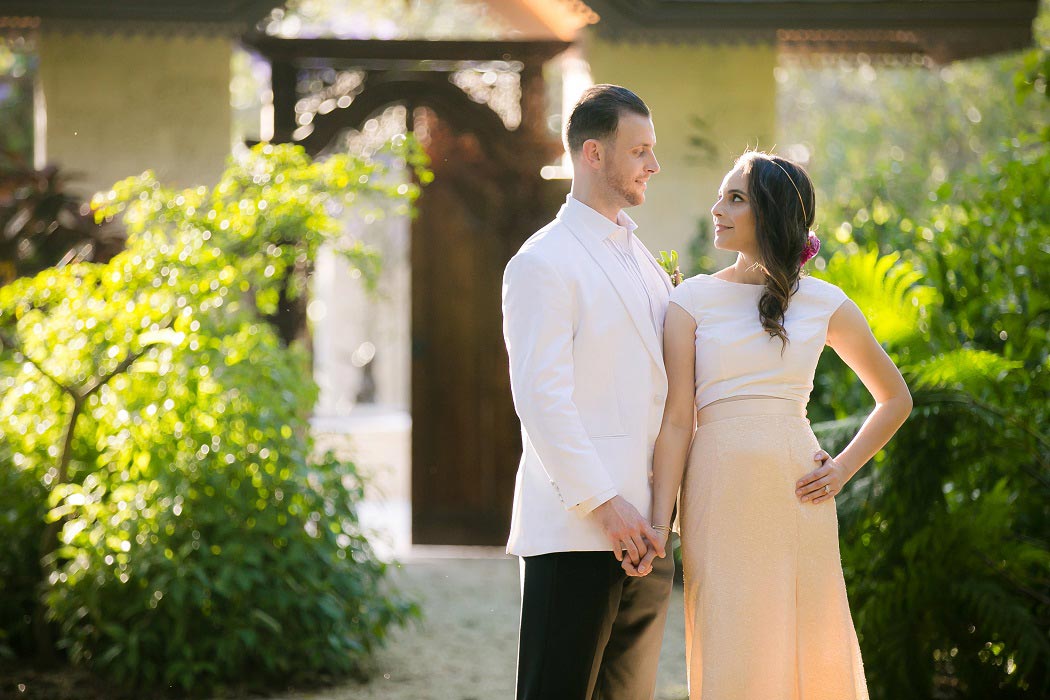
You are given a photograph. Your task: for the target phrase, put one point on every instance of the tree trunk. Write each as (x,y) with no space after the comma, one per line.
(45,646)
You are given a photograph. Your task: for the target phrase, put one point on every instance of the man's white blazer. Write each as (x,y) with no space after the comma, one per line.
(588,379)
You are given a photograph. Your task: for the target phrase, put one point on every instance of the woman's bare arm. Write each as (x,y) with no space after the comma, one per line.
(679,421)
(851,338)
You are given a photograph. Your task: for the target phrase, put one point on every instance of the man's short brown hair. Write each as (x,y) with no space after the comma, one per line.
(597,114)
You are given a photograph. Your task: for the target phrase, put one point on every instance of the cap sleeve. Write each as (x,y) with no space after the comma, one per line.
(683,296)
(834,297)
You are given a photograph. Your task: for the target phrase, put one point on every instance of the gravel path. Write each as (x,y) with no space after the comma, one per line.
(465,646)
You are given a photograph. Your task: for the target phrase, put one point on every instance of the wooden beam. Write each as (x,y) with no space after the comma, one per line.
(404,50)
(815,14)
(116,11)
(283,78)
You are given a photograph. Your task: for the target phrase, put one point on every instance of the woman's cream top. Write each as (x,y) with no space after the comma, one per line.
(735,356)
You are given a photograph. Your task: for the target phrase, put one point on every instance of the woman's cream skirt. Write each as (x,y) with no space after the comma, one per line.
(765,601)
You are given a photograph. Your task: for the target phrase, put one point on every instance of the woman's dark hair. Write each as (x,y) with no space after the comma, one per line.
(597,114)
(782,199)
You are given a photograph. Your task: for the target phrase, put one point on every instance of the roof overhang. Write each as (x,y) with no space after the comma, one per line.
(944,30)
(230,17)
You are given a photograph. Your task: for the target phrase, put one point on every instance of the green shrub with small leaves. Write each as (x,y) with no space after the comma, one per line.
(946,535)
(931,182)
(165,520)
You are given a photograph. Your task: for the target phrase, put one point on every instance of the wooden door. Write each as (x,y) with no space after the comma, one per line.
(466,439)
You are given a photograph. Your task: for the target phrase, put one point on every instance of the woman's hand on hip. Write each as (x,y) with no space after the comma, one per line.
(824,482)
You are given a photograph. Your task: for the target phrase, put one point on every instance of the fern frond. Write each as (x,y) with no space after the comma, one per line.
(964,368)
(886,289)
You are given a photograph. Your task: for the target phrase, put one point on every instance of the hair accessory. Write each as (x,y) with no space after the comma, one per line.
(811,249)
(797,191)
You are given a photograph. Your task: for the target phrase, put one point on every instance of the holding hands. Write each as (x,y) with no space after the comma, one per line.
(645,566)
(819,485)
(629,532)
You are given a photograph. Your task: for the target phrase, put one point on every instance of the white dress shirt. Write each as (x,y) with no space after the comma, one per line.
(620,238)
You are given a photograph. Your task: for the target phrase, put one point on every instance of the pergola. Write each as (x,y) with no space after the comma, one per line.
(489,196)
(944,30)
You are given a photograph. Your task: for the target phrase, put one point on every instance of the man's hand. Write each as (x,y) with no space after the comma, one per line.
(627,529)
(646,565)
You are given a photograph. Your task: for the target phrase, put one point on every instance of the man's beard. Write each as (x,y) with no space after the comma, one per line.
(622,188)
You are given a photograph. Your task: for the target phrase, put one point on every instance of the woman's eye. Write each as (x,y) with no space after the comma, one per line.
(737,198)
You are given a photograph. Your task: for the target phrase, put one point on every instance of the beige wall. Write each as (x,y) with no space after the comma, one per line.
(119,105)
(731,87)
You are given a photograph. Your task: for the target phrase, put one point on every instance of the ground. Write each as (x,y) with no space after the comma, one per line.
(465,647)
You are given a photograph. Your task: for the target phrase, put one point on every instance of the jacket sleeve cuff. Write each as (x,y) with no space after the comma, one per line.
(585,506)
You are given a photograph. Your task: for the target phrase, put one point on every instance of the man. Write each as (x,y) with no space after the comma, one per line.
(583,307)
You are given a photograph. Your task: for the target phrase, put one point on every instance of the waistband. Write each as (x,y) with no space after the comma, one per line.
(749,406)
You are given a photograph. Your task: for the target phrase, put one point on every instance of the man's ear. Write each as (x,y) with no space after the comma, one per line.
(592,153)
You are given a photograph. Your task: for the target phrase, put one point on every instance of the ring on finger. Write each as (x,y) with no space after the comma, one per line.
(827,489)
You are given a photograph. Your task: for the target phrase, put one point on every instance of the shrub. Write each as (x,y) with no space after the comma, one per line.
(190,538)
(945,539)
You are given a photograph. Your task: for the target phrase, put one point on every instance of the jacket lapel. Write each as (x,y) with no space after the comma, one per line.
(659,270)
(638,312)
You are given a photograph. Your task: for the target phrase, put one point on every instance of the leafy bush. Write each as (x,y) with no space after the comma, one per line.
(945,536)
(932,183)
(160,423)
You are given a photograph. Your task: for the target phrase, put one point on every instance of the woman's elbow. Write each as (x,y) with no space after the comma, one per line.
(681,419)
(897,404)
(906,403)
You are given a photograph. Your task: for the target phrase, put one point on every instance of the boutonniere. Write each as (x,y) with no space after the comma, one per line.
(669,262)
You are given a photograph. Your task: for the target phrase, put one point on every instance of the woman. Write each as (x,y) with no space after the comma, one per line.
(765,601)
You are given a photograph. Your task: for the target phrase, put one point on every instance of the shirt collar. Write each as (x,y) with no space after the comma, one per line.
(576,212)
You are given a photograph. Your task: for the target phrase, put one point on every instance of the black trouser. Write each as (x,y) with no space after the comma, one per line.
(589,631)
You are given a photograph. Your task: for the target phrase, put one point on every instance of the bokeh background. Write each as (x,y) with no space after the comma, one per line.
(250,348)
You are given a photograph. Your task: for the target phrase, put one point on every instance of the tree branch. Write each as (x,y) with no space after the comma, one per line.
(11,343)
(122,367)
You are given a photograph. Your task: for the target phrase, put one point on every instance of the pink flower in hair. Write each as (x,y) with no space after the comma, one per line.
(811,249)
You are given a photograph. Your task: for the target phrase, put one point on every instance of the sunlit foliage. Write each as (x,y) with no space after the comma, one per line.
(163,519)
(880,138)
(946,535)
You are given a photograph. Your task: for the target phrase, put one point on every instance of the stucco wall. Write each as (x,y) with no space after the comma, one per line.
(730,87)
(119,105)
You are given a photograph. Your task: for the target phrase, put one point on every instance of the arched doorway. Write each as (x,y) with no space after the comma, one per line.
(486,198)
